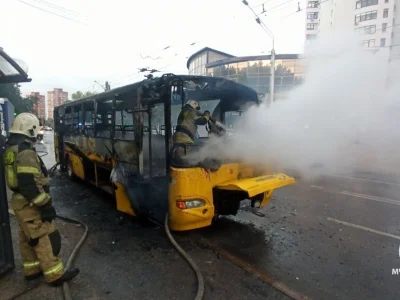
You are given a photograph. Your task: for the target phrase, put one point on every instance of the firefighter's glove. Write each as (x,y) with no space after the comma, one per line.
(48,212)
(207,115)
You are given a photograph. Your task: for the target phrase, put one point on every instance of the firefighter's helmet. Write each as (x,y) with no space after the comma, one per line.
(194,104)
(26,124)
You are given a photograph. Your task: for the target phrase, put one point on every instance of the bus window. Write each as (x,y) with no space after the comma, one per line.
(124,129)
(76,118)
(68,119)
(158,148)
(209,105)
(104,119)
(232,118)
(88,128)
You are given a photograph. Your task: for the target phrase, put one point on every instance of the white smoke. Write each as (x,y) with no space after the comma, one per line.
(342,118)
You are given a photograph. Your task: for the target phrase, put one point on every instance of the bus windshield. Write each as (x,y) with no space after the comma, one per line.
(209,105)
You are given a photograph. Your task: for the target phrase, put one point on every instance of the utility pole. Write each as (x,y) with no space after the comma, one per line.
(268,31)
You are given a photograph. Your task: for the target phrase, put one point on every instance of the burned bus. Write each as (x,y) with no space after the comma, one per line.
(121,142)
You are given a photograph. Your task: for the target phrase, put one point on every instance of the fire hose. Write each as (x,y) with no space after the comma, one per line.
(200,279)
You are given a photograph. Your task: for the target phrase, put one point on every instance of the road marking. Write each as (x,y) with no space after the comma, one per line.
(368,197)
(364,228)
(364,179)
(265,277)
(350,177)
(317,187)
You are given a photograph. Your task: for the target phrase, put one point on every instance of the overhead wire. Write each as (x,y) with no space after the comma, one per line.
(53,13)
(137,75)
(52,5)
(301,9)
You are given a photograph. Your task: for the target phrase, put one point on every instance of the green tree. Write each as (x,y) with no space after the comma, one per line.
(13,93)
(78,95)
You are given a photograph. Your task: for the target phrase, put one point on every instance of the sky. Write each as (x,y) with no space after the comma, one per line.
(109,40)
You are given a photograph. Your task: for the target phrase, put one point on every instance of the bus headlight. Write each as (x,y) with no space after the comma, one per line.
(189,204)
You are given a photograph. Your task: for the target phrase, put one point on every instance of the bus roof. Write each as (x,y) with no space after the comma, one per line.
(218,82)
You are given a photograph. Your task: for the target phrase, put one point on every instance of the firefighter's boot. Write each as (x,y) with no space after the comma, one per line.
(67,276)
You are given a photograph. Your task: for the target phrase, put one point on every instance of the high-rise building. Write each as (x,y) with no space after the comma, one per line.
(40,106)
(373,20)
(55,98)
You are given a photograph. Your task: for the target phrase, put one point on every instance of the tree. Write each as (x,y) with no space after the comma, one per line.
(13,93)
(78,95)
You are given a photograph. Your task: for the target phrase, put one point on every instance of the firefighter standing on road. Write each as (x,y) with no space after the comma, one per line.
(27,177)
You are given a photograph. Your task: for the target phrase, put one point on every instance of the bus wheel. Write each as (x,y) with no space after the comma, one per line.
(70,171)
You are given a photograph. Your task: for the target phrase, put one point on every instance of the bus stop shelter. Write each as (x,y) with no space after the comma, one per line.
(11,72)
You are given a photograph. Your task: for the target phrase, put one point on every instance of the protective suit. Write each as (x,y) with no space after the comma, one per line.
(186,129)
(27,178)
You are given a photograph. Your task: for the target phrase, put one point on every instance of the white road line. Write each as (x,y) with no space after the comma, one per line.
(364,228)
(317,187)
(350,177)
(368,197)
(363,179)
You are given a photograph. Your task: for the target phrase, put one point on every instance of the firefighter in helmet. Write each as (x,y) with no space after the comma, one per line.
(186,129)
(27,177)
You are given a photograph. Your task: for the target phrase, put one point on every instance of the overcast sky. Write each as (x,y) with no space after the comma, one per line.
(108,38)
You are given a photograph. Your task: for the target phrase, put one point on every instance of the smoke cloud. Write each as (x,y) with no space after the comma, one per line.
(343,118)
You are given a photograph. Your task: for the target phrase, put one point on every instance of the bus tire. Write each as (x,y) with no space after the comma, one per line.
(70,171)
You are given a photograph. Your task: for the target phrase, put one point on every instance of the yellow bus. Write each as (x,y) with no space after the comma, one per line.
(121,142)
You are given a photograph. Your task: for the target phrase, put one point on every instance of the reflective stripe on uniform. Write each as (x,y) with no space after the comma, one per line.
(41,199)
(11,177)
(54,269)
(28,170)
(31,264)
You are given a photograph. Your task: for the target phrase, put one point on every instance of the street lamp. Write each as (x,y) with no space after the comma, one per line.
(268,31)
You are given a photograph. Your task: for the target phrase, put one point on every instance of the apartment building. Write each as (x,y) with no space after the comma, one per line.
(40,106)
(55,98)
(373,20)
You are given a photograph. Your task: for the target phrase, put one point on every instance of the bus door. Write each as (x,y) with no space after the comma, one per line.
(154,178)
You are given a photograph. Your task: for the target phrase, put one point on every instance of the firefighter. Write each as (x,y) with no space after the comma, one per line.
(27,177)
(186,129)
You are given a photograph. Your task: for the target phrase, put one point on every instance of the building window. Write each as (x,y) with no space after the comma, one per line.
(371,15)
(384,26)
(312,4)
(386,1)
(365,3)
(386,12)
(311,36)
(383,42)
(371,29)
(312,16)
(311,26)
(368,43)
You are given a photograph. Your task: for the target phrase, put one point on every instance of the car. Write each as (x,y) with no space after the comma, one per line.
(40,135)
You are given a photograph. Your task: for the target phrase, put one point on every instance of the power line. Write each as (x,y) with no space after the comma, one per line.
(262,4)
(301,9)
(53,13)
(57,7)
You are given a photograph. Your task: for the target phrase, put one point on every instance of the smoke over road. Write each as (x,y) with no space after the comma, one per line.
(343,117)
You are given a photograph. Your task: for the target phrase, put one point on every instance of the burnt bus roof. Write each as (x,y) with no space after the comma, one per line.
(228,87)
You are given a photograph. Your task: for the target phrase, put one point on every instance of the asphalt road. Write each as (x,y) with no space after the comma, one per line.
(332,237)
